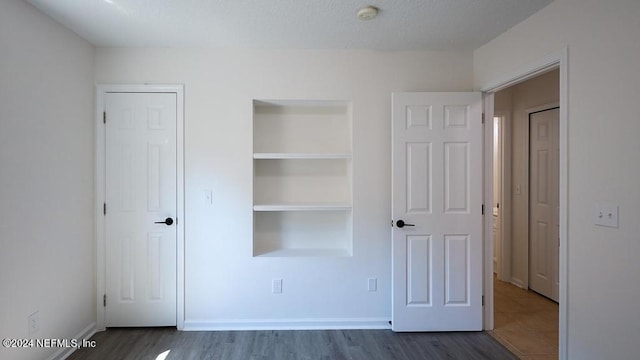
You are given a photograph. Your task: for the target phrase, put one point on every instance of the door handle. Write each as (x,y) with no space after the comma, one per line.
(168,221)
(400,224)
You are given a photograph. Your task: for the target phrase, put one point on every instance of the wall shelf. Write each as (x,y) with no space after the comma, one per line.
(302,207)
(306,253)
(309,156)
(302,178)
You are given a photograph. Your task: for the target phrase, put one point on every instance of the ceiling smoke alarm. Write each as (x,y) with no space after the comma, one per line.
(367,13)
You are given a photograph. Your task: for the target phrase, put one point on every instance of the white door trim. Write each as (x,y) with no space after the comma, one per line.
(559,60)
(487,199)
(101,91)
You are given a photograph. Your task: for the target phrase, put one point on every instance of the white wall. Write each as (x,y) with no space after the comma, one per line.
(602,38)
(516,100)
(225,285)
(46,178)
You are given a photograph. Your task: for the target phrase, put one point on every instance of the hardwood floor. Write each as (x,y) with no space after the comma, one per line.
(149,343)
(525,322)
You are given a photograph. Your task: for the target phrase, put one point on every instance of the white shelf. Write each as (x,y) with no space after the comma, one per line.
(302,207)
(310,156)
(266,104)
(306,253)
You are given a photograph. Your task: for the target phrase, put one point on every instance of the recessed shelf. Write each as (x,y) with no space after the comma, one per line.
(302,207)
(310,156)
(296,104)
(302,127)
(302,178)
(306,253)
(302,233)
(302,181)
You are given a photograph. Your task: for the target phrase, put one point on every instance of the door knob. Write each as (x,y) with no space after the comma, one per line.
(400,224)
(167,221)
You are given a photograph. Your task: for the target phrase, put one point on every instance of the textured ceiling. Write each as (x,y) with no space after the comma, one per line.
(299,24)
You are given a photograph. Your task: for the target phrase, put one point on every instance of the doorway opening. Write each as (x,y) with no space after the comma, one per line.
(525,217)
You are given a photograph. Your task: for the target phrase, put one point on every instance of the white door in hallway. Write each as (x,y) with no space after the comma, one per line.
(140,223)
(437,212)
(544,184)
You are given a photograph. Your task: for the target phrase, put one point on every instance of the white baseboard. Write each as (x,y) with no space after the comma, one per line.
(287,324)
(85,334)
(517,282)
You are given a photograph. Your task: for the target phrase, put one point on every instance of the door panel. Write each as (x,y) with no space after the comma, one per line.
(418,274)
(140,134)
(437,187)
(544,203)
(456,270)
(456,181)
(418,178)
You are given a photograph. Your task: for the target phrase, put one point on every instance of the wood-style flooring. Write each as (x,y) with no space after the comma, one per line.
(525,322)
(154,343)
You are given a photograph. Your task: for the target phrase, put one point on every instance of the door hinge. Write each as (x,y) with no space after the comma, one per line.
(104,208)
(104,117)
(104,300)
(391,223)
(482,209)
(483,118)
(497,205)
(482,300)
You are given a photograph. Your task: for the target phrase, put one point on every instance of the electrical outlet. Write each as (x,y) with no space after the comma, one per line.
(276,286)
(372,284)
(33,323)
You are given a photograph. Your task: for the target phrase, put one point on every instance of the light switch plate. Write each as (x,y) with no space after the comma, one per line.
(606,215)
(372,284)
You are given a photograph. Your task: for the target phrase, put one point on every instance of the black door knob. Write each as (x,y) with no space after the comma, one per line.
(167,221)
(400,224)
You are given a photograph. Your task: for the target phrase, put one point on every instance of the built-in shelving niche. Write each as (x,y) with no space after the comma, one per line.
(302,178)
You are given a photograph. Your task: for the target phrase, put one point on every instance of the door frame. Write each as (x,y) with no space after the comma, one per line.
(100,175)
(557,60)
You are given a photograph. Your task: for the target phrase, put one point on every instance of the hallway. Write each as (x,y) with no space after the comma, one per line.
(525,322)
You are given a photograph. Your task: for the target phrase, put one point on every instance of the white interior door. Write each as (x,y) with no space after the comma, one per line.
(544,202)
(140,200)
(437,193)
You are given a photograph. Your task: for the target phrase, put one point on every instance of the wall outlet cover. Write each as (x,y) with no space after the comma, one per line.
(276,286)
(33,323)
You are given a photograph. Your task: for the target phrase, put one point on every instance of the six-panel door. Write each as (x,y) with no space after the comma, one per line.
(437,187)
(544,221)
(140,197)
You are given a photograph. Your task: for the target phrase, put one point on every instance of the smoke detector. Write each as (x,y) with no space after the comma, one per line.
(367,13)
